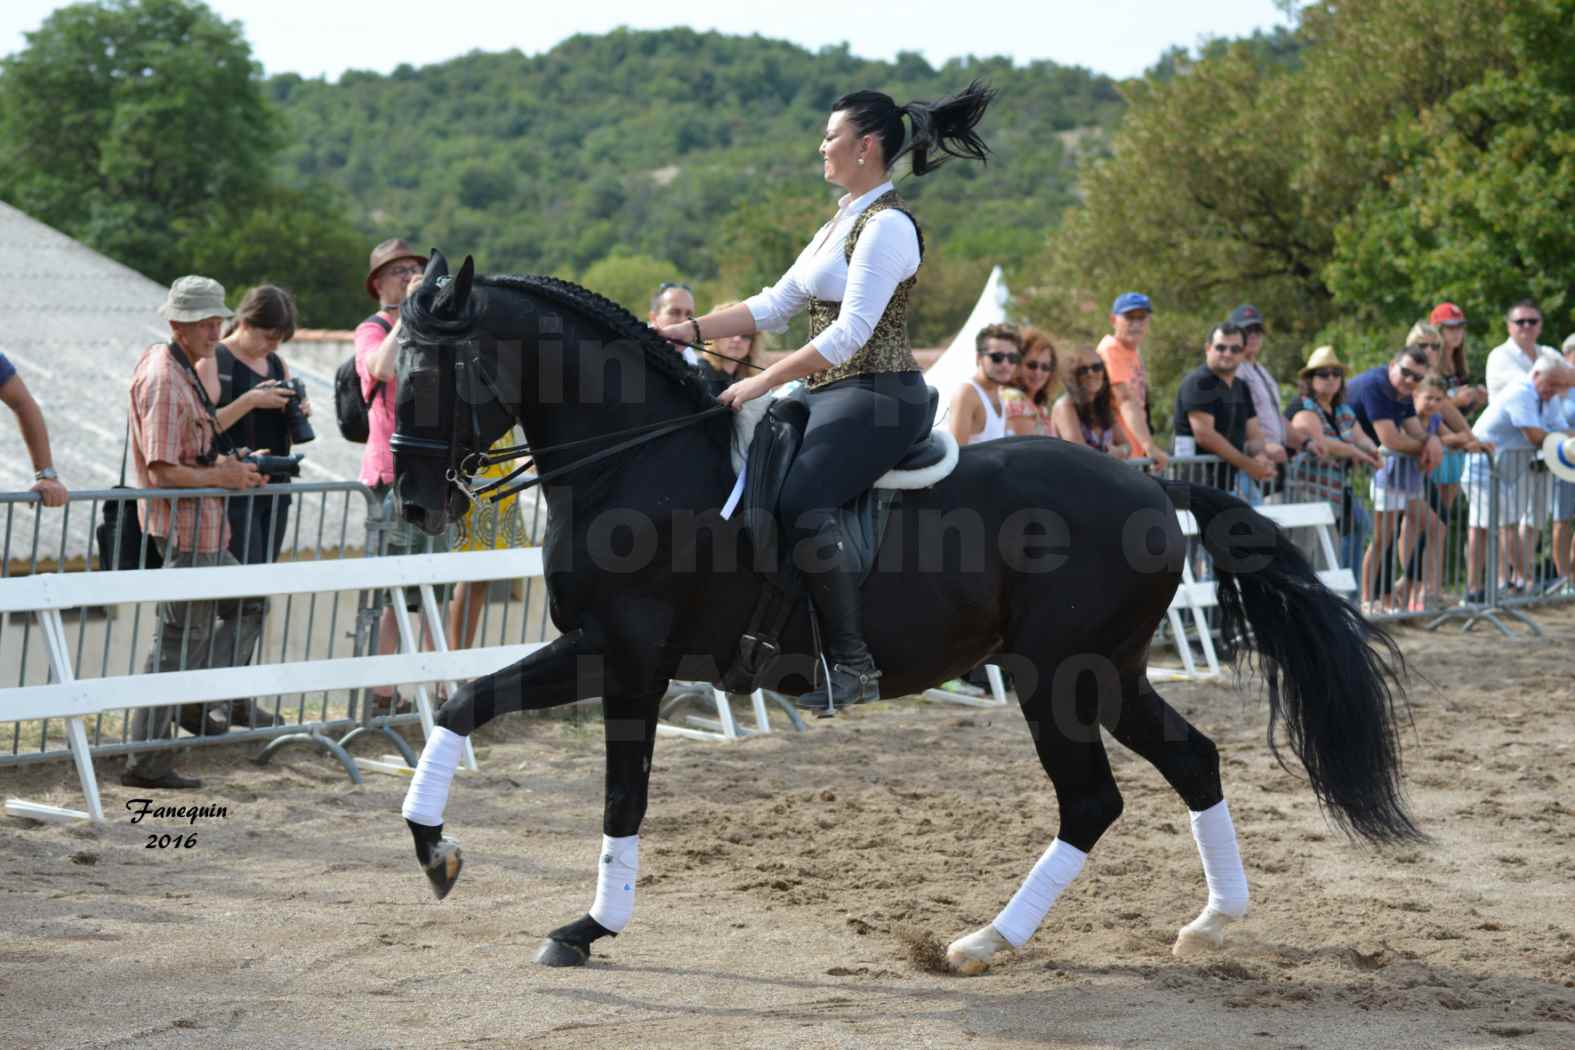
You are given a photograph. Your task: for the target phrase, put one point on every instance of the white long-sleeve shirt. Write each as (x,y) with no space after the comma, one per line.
(1508,364)
(886,255)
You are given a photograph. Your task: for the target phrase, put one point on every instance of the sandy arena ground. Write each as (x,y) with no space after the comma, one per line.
(785,879)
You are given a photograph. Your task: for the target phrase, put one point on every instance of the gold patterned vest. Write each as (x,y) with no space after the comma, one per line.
(888,348)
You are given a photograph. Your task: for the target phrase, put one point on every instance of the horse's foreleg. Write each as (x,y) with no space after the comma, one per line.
(1190,763)
(560,673)
(630,726)
(1066,735)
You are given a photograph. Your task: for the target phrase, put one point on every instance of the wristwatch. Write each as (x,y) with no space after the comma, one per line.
(47,474)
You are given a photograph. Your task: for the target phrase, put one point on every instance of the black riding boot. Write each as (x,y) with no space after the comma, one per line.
(854,677)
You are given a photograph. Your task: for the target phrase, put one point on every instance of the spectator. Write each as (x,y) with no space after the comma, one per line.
(174,444)
(1026,401)
(734,356)
(246,380)
(486,526)
(394,270)
(1086,414)
(1442,485)
(1320,406)
(1564,500)
(35,434)
(1383,399)
(1122,353)
(976,414)
(1215,414)
(1265,390)
(1422,587)
(1517,420)
(1511,360)
(1450,321)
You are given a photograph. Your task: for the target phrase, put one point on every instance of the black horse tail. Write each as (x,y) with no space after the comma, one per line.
(1342,674)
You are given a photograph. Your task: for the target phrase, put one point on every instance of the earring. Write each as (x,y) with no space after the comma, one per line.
(861,162)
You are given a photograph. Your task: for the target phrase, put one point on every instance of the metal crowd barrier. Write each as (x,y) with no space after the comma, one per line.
(328,520)
(1477,540)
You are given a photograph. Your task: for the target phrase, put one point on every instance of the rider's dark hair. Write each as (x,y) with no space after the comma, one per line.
(946,126)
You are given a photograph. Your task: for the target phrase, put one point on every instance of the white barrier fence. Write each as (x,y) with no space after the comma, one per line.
(67,697)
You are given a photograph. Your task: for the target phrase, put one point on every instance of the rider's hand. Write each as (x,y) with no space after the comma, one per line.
(744,390)
(680,333)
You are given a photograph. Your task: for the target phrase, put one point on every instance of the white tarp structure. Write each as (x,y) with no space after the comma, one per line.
(954,367)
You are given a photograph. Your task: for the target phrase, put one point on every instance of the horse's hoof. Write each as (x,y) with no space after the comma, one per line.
(973,954)
(1206,933)
(443,870)
(561,953)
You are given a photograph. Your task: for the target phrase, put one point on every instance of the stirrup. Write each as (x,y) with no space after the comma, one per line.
(863,687)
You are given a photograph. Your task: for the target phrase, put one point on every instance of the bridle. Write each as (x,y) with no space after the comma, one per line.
(469,362)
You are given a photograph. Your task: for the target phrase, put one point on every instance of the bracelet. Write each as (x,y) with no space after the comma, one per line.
(696,326)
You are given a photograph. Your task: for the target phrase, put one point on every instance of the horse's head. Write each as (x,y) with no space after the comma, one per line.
(446,404)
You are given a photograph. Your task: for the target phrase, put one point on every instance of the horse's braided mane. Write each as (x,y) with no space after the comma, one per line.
(659,354)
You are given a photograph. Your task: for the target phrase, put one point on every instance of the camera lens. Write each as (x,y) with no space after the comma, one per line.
(300,427)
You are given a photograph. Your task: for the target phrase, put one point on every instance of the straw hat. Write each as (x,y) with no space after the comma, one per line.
(1323,357)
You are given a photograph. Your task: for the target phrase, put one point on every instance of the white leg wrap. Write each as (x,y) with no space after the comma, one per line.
(1216,838)
(616,875)
(1028,907)
(428,793)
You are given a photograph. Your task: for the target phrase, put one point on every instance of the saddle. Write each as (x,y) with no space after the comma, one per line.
(767,443)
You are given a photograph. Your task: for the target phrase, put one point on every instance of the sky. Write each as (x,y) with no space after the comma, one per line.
(316,38)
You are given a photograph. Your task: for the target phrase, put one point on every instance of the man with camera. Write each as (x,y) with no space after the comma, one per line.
(259,407)
(175,443)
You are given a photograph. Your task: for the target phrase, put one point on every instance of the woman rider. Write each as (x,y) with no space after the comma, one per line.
(867,400)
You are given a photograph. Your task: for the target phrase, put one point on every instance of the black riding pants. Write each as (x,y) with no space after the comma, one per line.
(858,429)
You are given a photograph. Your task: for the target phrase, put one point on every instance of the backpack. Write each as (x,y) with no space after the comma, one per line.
(350,408)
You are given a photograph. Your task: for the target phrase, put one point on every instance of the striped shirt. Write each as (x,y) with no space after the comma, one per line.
(170,425)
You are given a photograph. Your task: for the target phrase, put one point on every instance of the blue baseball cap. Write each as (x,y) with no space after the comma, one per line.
(1129,301)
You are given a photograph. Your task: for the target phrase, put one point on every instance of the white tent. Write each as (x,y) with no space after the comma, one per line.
(957,364)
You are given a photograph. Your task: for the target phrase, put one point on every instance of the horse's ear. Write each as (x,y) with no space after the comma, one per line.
(459,291)
(437,266)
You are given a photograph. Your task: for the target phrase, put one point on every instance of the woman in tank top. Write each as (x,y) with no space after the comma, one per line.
(855,277)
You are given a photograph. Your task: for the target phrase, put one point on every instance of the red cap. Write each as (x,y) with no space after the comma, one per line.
(1447,313)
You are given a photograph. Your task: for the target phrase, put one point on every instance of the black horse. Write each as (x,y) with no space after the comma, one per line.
(1045,557)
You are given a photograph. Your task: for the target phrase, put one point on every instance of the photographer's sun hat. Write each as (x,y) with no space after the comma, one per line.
(193,298)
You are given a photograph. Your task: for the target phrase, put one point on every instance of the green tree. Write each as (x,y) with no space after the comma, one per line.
(123,120)
(630,280)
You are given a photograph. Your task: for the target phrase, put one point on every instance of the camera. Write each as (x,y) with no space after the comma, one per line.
(300,427)
(272,466)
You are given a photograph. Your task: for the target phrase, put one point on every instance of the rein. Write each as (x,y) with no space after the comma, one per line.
(496,490)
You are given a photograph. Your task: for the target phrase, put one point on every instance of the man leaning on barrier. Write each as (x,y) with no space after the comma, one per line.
(175,444)
(35,434)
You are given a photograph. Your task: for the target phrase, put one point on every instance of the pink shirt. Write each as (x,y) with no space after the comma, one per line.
(377,460)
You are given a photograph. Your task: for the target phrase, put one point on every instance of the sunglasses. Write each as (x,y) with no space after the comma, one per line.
(665,285)
(1327,373)
(1083,370)
(1229,348)
(1039,366)
(1429,346)
(1415,377)
(407,270)
(1526,322)
(997,357)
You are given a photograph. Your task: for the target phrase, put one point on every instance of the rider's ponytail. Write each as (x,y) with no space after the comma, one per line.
(945,126)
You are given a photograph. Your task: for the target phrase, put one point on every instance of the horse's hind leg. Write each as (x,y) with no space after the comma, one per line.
(546,678)
(1065,728)
(1190,763)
